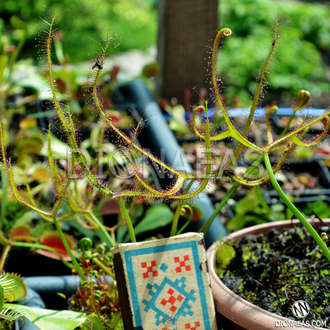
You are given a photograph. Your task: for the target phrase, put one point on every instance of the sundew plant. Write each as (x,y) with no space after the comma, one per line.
(285,143)
(66,182)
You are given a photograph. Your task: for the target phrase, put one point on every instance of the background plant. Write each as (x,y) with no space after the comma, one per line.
(304,43)
(137,19)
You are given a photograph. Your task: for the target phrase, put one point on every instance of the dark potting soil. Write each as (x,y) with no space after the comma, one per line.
(276,269)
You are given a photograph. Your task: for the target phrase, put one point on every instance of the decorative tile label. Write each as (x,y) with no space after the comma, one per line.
(167,283)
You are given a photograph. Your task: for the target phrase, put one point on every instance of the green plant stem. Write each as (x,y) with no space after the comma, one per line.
(68,250)
(294,210)
(209,221)
(175,220)
(288,125)
(4,184)
(188,221)
(4,256)
(100,225)
(177,212)
(128,220)
(93,296)
(101,265)
(18,50)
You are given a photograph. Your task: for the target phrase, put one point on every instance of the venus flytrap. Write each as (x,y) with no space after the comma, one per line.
(12,288)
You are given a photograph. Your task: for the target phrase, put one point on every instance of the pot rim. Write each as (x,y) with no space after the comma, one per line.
(237,309)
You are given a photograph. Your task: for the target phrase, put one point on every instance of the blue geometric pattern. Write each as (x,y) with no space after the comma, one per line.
(163,267)
(155,290)
(167,298)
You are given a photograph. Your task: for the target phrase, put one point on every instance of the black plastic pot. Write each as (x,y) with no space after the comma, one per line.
(25,263)
(300,203)
(314,168)
(158,138)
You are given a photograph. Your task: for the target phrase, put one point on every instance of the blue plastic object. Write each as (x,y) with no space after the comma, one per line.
(33,299)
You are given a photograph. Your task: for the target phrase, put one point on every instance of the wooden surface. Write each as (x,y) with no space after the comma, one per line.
(185,28)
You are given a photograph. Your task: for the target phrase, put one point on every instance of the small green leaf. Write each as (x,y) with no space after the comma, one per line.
(137,211)
(320,208)
(93,322)
(17,23)
(46,319)
(247,204)
(275,216)
(277,207)
(157,216)
(59,148)
(237,222)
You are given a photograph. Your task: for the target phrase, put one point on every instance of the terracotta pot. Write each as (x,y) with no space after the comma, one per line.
(234,312)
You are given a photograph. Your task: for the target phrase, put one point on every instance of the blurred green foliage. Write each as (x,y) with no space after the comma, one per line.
(301,62)
(84,20)
(305,36)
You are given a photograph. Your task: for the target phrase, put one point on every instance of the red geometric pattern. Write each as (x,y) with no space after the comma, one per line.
(182,264)
(149,269)
(188,326)
(172,300)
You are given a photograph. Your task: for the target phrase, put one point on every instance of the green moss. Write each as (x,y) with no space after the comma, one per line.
(225,253)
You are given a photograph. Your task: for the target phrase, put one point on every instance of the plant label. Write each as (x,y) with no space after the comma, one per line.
(164,284)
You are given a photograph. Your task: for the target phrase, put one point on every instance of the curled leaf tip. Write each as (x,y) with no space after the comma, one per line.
(85,244)
(200,109)
(226,32)
(182,211)
(302,99)
(272,110)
